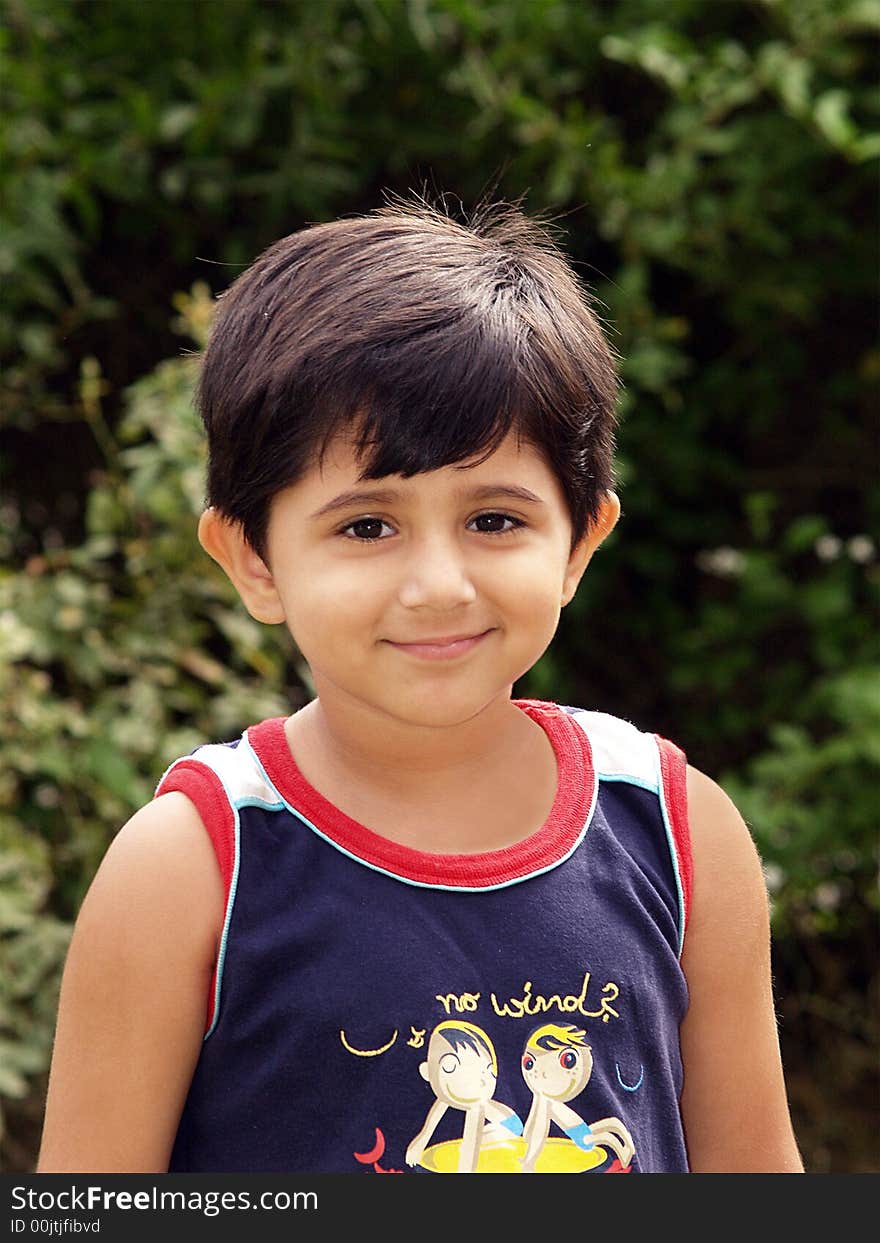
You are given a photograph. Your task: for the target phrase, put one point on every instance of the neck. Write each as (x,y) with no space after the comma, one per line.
(403,760)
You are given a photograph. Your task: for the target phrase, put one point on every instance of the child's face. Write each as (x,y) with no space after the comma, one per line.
(358,580)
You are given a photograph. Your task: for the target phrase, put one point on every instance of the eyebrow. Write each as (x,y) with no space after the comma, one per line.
(358,496)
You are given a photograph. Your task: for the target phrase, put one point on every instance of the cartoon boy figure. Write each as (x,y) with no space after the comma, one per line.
(462,1069)
(557,1063)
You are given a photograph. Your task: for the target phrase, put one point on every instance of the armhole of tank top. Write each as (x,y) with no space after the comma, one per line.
(205,790)
(674,803)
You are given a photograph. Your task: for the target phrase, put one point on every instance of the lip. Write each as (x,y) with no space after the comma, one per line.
(442,648)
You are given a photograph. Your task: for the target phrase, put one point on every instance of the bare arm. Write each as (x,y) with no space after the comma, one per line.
(734,1101)
(133,998)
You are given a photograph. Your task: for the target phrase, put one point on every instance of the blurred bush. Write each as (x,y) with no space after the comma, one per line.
(712,171)
(115,656)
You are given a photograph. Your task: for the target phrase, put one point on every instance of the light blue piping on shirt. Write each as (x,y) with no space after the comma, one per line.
(656,788)
(673,852)
(650,786)
(221,957)
(230,901)
(262,803)
(419,884)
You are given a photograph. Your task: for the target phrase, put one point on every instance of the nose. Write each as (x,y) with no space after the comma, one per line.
(436,576)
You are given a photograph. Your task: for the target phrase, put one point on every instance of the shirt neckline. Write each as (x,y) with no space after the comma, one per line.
(542,850)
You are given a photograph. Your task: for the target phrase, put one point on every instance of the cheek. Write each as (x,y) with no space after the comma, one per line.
(533,588)
(321,600)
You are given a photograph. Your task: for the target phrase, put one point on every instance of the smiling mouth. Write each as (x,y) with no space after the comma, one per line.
(441,648)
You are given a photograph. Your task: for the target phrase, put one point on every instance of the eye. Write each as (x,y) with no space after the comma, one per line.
(366,530)
(528,1062)
(568,1059)
(494,519)
(449,1063)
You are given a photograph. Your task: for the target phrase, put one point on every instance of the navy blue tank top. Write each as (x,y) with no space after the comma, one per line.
(376,1008)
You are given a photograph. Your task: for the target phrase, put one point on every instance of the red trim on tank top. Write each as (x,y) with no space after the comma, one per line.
(203,787)
(673,773)
(541,850)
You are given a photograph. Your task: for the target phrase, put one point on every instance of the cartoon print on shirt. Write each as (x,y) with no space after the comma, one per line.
(367,1052)
(557,1063)
(461,1066)
(462,1070)
(373,1156)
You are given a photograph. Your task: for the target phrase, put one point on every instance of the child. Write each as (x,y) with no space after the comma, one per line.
(410,425)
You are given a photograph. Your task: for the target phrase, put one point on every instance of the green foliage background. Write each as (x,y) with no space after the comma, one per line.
(712,166)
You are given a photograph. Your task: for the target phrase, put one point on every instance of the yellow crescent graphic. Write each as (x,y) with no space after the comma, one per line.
(367,1052)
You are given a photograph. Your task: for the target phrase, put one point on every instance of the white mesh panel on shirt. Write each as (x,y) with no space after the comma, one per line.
(620,749)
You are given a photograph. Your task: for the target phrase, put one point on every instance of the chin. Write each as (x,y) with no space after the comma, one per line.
(441,712)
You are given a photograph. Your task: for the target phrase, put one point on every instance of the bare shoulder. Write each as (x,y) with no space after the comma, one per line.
(162,856)
(159,884)
(734,1101)
(134,995)
(728,879)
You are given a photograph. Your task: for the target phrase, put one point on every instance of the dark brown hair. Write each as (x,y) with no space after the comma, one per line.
(426,337)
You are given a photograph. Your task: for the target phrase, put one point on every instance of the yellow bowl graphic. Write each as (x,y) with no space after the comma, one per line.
(558,1156)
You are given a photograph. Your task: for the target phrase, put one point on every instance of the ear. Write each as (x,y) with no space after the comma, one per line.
(223,539)
(424,1072)
(609,512)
